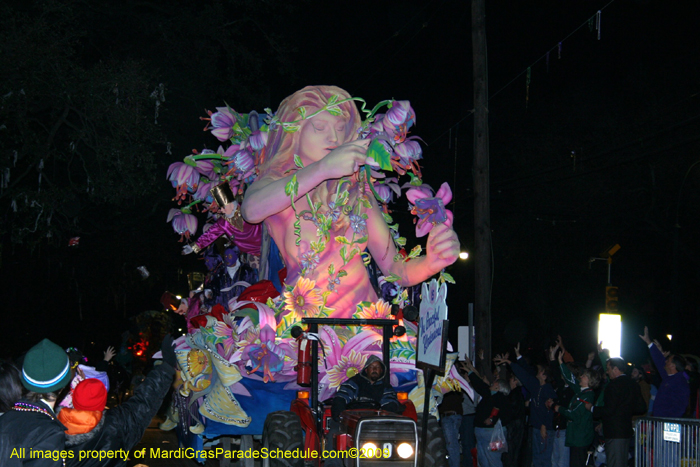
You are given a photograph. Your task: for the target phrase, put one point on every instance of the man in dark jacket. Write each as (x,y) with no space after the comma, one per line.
(29,433)
(119,429)
(366,390)
(622,398)
(673,396)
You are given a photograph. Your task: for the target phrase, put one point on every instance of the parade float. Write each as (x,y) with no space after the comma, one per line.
(238,360)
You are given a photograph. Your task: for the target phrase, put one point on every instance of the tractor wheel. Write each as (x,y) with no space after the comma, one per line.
(435,447)
(282,431)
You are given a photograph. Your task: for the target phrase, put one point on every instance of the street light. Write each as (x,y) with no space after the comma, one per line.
(610,333)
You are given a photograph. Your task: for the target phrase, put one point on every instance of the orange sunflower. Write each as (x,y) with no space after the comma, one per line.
(304,299)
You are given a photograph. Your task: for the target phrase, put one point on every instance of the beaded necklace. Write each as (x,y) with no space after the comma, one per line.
(24,407)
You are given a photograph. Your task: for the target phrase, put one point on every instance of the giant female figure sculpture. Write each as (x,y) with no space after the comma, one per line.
(330,156)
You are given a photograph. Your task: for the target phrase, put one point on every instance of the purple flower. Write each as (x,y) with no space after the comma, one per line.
(430,210)
(222,124)
(401,113)
(386,190)
(258,139)
(358,224)
(244,160)
(183,224)
(207,167)
(309,260)
(334,211)
(408,151)
(203,192)
(332,283)
(181,174)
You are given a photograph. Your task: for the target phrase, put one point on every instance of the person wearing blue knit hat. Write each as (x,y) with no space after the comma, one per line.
(30,428)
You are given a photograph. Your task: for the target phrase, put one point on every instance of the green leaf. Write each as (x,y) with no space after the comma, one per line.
(342,240)
(445,277)
(333,100)
(189,160)
(318,246)
(342,273)
(292,187)
(415,252)
(331,269)
(298,162)
(302,112)
(402,350)
(284,328)
(401,241)
(415,181)
(353,252)
(388,219)
(290,128)
(392,278)
(252,313)
(335,111)
(360,240)
(378,152)
(343,254)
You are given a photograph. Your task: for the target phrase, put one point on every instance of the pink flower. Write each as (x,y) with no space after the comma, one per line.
(342,360)
(430,210)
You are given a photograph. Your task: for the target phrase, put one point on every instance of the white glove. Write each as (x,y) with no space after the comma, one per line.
(187,249)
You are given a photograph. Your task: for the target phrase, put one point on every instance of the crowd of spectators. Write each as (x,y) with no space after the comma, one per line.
(559,412)
(53,406)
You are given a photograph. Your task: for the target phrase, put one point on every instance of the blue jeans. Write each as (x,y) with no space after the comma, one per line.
(450,428)
(560,453)
(486,457)
(542,448)
(467,439)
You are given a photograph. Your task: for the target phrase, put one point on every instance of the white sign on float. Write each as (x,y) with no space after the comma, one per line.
(431,331)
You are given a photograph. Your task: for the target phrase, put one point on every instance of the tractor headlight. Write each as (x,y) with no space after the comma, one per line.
(404,450)
(369,450)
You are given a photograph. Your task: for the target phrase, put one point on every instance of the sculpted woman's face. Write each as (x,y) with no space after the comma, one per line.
(320,135)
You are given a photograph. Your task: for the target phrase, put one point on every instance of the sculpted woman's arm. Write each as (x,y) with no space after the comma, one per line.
(266,196)
(442,250)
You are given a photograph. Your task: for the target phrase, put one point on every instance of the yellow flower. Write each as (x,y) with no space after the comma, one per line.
(378,310)
(304,299)
(347,367)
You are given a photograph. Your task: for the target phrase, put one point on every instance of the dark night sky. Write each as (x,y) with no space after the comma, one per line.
(626,105)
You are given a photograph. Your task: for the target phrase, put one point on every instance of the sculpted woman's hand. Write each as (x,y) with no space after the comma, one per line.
(442,248)
(345,160)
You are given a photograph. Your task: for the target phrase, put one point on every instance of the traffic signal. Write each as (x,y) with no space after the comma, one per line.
(611,297)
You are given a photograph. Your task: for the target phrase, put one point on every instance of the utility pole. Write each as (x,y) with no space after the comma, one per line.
(482,203)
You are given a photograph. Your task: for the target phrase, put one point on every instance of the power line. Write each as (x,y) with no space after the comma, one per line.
(586,22)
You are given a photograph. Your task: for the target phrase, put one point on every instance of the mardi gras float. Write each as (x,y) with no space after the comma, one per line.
(300,199)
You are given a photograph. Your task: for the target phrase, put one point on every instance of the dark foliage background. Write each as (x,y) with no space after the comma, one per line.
(108,94)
